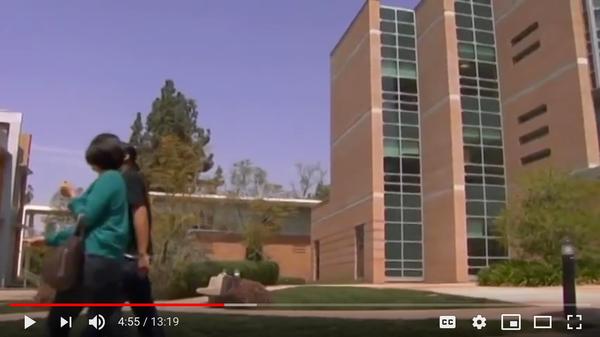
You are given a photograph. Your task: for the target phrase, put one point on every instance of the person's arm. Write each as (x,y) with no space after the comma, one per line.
(59,237)
(92,205)
(142,229)
(136,197)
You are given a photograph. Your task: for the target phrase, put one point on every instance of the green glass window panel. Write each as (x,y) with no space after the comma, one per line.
(486,53)
(393,250)
(393,214)
(470,118)
(476,247)
(485,38)
(472,154)
(406,54)
(391,147)
(494,208)
(390,130)
(410,148)
(412,251)
(475,208)
(463,8)
(388,14)
(464,34)
(492,137)
(492,155)
(406,29)
(475,227)
(410,118)
(413,273)
(484,11)
(389,52)
(394,200)
(390,117)
(474,192)
(490,120)
(411,200)
(407,70)
(411,215)
(388,39)
(469,103)
(466,51)
(490,105)
(495,193)
(471,135)
(393,231)
(389,68)
(412,232)
(404,16)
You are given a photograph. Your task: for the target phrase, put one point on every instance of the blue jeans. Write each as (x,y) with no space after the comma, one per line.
(100,283)
(138,289)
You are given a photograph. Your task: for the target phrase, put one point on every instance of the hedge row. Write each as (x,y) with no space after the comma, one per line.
(535,274)
(188,278)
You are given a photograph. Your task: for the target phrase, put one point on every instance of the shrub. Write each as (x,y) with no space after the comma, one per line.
(535,274)
(188,277)
(291,281)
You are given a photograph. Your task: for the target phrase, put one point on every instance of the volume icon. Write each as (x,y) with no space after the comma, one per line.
(97,322)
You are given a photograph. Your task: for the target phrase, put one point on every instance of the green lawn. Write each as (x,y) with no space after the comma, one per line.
(198,325)
(356,298)
(5,309)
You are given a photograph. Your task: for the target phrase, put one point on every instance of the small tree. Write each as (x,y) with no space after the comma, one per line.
(257,219)
(549,207)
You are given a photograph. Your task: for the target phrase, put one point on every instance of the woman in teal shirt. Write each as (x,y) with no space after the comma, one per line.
(104,209)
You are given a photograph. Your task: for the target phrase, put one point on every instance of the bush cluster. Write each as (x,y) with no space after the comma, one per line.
(536,274)
(188,277)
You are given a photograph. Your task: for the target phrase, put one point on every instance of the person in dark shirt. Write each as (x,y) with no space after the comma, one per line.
(136,283)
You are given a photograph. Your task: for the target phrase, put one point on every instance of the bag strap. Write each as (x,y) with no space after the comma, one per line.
(80,226)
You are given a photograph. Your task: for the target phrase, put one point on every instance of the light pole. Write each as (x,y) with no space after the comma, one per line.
(568,277)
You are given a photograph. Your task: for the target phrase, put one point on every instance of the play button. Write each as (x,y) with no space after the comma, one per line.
(27,322)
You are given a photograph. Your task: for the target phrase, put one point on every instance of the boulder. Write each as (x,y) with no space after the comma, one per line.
(229,289)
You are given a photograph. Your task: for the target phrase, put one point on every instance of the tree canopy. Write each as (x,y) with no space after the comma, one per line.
(172,127)
(550,207)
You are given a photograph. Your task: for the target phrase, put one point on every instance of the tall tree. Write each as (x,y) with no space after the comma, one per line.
(137,131)
(172,115)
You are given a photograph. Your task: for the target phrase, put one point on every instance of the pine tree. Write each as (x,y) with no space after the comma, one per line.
(172,115)
(137,131)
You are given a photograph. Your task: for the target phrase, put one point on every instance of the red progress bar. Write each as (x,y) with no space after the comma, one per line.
(49,305)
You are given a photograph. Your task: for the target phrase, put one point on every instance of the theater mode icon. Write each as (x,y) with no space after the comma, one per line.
(447,322)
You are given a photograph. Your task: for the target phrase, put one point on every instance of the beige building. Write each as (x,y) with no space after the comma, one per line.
(436,114)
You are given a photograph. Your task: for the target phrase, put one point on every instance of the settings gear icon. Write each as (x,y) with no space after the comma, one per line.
(479,322)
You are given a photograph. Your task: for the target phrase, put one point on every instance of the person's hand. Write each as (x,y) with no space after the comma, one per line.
(35,241)
(143,264)
(68,190)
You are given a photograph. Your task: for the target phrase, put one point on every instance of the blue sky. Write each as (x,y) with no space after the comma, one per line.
(259,70)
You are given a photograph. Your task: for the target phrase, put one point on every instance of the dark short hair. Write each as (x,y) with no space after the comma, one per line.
(130,151)
(105,152)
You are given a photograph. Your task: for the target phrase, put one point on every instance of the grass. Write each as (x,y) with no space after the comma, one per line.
(199,325)
(356,298)
(5,309)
